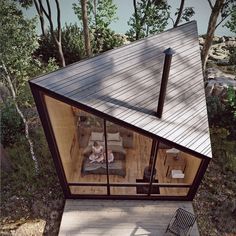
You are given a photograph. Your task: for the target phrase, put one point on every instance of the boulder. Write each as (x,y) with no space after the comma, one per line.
(218,82)
(201,40)
(214,73)
(31,228)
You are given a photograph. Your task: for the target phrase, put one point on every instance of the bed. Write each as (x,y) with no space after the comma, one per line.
(114,143)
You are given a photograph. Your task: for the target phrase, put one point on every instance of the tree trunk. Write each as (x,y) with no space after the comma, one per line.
(136,18)
(40,14)
(179,13)
(138,29)
(86,28)
(57,37)
(12,89)
(210,31)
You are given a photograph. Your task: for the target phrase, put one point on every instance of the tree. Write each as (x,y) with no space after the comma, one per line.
(231,23)
(182,14)
(39,10)
(18,41)
(85,27)
(221,6)
(149,17)
(56,33)
(28,3)
(100,14)
(72,45)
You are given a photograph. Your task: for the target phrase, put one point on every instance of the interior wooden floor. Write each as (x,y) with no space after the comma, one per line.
(137,158)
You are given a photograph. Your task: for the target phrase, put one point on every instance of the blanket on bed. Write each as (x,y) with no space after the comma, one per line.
(117,167)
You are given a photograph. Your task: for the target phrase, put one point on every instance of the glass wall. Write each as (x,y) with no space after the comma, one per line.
(77,134)
(175,168)
(129,153)
(125,167)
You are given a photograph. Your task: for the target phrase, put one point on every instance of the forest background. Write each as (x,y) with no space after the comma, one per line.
(30,192)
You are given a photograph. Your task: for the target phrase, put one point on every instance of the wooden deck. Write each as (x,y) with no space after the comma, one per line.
(115,218)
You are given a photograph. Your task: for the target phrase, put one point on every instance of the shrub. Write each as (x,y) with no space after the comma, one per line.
(223,149)
(12,126)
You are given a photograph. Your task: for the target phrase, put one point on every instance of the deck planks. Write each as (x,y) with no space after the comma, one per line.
(115,218)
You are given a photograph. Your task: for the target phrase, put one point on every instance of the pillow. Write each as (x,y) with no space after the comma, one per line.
(113,136)
(96,136)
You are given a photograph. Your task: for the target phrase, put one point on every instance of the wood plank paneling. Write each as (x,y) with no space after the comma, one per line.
(115,218)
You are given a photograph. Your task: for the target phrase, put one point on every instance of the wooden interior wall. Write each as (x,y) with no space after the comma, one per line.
(192,166)
(63,121)
(65,131)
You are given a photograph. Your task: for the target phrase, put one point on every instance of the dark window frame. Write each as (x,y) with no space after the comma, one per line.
(39,94)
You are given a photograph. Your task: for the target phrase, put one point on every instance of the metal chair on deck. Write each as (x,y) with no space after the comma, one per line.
(181,223)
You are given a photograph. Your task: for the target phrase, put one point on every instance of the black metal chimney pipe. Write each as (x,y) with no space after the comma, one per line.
(164,80)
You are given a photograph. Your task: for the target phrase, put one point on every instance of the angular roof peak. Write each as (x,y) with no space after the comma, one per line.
(123,85)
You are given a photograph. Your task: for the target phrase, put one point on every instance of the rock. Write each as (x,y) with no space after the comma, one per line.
(214,73)
(218,90)
(209,89)
(31,228)
(201,40)
(218,82)
(216,39)
(230,43)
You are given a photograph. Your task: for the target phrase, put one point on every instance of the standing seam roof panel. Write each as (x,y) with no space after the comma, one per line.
(124,83)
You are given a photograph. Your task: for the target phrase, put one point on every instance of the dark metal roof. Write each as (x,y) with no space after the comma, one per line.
(124,83)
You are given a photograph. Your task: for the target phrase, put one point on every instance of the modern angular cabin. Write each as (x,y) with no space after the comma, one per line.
(102,126)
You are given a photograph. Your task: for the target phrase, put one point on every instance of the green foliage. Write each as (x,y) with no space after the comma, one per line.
(23,181)
(222,113)
(18,41)
(222,119)
(72,45)
(188,12)
(231,97)
(223,149)
(105,39)
(12,126)
(151,18)
(100,16)
(231,23)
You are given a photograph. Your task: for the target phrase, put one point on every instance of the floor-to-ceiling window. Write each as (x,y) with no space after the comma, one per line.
(100,157)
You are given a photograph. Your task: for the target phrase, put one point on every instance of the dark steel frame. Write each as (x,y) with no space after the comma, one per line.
(38,94)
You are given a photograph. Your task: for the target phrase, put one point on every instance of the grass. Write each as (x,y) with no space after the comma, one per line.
(27,196)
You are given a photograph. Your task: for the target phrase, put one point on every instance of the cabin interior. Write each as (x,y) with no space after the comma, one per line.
(128,153)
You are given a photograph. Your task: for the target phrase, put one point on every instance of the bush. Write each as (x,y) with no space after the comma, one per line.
(105,39)
(223,149)
(102,39)
(72,45)
(12,126)
(23,181)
